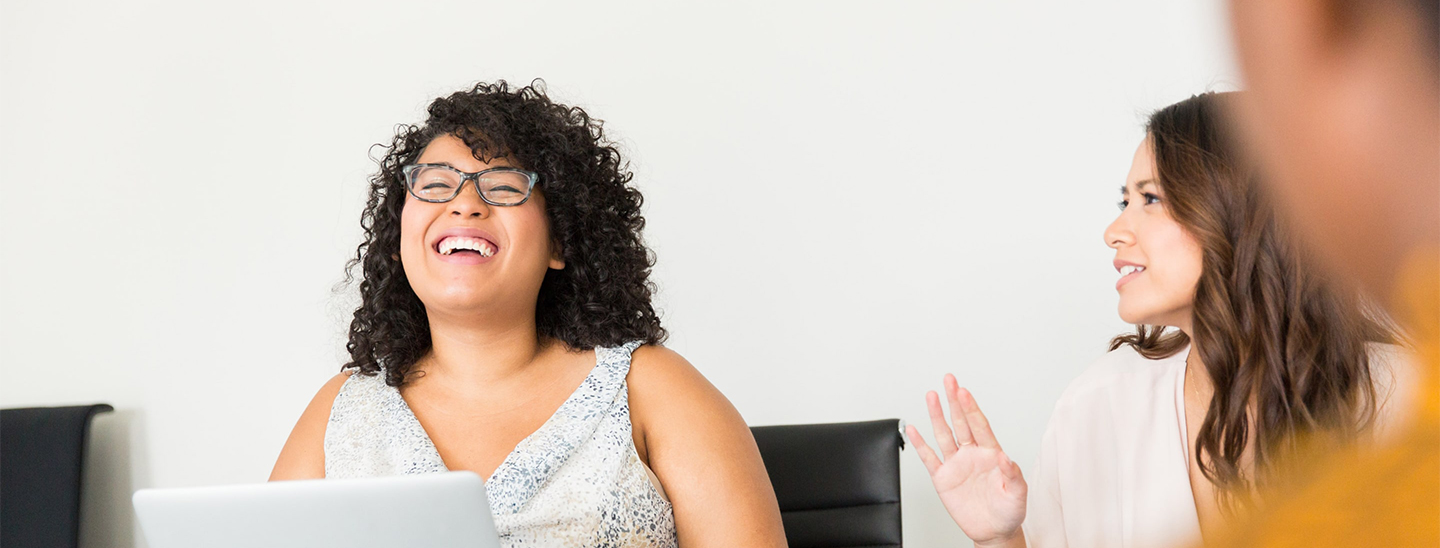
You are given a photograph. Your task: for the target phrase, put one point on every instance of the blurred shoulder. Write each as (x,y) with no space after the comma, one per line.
(1395,374)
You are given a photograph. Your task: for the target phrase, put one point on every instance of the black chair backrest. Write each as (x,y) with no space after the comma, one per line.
(42,451)
(838,484)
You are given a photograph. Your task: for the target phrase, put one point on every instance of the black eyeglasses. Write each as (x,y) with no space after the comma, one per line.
(439,183)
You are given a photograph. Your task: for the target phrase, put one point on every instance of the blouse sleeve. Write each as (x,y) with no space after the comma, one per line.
(1044,518)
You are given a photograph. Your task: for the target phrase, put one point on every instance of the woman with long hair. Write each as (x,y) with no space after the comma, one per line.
(1243,351)
(506,328)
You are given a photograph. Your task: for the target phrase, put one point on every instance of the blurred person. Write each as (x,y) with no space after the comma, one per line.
(1242,347)
(506,328)
(1344,113)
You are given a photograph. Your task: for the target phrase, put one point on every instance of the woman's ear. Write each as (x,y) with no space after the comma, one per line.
(557,261)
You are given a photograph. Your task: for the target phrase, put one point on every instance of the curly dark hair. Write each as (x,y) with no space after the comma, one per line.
(601,297)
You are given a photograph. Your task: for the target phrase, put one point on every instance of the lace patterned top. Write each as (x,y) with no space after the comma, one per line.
(576,481)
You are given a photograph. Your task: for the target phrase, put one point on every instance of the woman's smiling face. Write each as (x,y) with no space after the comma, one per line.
(1159,262)
(466,256)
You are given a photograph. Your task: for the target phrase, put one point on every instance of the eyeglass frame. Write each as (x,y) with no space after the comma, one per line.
(531,176)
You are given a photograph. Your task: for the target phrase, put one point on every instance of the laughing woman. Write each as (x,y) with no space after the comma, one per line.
(506,329)
(1243,351)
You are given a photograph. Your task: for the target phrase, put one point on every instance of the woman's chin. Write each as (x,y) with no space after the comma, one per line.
(1129,316)
(461,305)
(1142,318)
(1139,317)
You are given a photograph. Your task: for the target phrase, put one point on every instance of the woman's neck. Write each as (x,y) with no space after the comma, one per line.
(1198,384)
(470,353)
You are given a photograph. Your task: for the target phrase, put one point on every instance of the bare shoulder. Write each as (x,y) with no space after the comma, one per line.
(666,389)
(303,456)
(657,367)
(702,452)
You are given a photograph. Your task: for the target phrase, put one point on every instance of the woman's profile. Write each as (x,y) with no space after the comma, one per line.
(506,328)
(1243,349)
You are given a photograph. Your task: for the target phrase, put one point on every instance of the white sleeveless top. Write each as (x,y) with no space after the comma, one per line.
(577,481)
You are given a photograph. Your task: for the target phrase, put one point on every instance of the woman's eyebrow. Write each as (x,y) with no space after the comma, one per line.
(1142,184)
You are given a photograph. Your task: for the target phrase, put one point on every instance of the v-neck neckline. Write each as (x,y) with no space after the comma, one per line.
(429,444)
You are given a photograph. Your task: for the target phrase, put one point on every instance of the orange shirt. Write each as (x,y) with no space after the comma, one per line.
(1385,496)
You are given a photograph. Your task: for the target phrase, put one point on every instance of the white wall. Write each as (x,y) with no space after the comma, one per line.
(180,184)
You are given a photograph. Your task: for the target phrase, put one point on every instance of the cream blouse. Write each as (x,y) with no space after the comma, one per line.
(1114,463)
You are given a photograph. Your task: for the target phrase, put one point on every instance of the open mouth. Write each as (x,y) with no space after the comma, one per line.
(466,246)
(1127,273)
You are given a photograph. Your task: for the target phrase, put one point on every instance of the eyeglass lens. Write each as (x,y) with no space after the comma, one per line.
(440,183)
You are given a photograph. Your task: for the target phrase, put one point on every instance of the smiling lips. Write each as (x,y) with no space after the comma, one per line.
(1128,272)
(461,244)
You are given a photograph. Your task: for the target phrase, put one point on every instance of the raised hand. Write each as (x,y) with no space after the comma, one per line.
(980,487)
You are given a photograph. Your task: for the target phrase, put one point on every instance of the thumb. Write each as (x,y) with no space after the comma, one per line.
(1008,468)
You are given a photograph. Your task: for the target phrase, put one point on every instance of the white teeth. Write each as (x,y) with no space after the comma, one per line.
(1130,269)
(453,243)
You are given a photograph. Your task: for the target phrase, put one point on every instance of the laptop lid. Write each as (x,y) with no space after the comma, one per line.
(446,510)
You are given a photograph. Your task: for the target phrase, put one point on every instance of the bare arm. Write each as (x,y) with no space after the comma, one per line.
(303,456)
(701,450)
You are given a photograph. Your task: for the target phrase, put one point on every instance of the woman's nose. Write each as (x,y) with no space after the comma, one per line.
(1118,233)
(468,202)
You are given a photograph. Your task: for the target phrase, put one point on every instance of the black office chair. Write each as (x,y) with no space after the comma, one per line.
(42,451)
(838,484)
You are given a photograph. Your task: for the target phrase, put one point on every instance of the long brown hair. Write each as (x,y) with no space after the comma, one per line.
(1284,345)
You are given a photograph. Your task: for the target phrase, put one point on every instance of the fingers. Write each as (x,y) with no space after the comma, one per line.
(963,436)
(927,456)
(979,425)
(943,438)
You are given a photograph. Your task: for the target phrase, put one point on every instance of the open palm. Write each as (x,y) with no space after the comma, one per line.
(979,485)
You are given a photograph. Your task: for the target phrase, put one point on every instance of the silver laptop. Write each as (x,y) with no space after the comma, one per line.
(446,510)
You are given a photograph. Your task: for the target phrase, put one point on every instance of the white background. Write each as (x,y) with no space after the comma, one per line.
(847,199)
